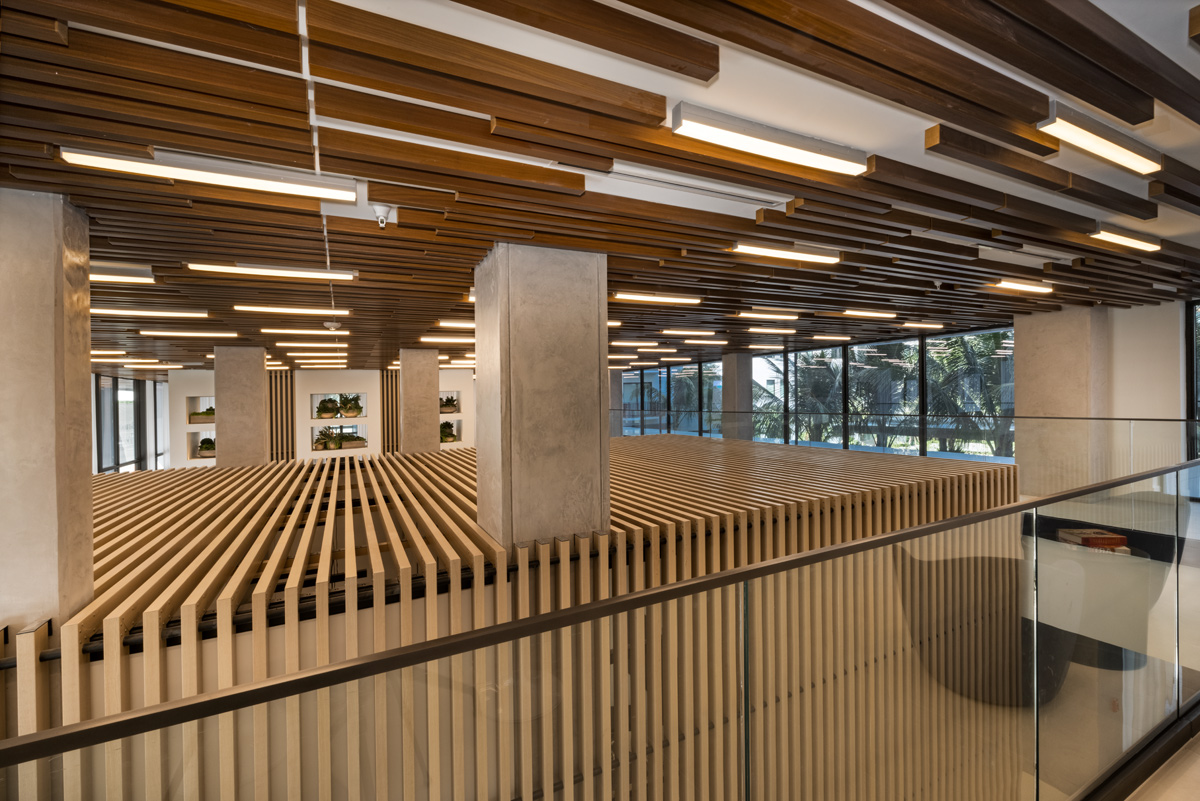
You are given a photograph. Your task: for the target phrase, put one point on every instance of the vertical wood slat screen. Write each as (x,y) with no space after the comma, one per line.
(282,399)
(839,657)
(390,382)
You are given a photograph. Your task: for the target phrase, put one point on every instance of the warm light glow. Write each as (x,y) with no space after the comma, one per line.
(456,323)
(160,170)
(656,350)
(777,346)
(440,358)
(768,316)
(304,273)
(320,361)
(291,310)
(215,334)
(456,340)
(108,353)
(322,367)
(832,338)
(463,362)
(681,332)
(311,345)
(706,342)
(627,344)
(783,331)
(119,360)
(653,298)
(642,364)
(614,323)
(323,354)
(393,367)
(922,325)
(619,356)
(277,367)
(1127,241)
(617,366)
(676,359)
(148,313)
(152,366)
(108,278)
(306,332)
(1023,287)
(861,313)
(793,255)
(271,364)
(1099,146)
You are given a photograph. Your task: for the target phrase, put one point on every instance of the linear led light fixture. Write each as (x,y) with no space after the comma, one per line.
(320,361)
(108,353)
(120,360)
(620,356)
(311,345)
(736,133)
(680,332)
(656,350)
(922,325)
(273,364)
(1021,286)
(456,323)
(277,367)
(832,338)
(1107,233)
(625,344)
(217,334)
(105,272)
(454,340)
(1100,139)
(706,342)
(270,271)
(440,359)
(321,367)
(768,316)
(463,362)
(638,297)
(863,313)
(147,313)
(219,172)
(781,331)
(152,366)
(614,323)
(324,354)
(676,359)
(642,364)
(293,310)
(617,366)
(793,255)
(776,346)
(305,332)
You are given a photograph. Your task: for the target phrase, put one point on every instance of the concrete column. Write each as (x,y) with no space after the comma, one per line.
(542,437)
(45,403)
(1081,364)
(737,384)
(616,403)
(243,406)
(419,416)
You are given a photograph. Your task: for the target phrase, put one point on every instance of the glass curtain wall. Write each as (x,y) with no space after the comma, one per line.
(685,399)
(130,429)
(969,391)
(815,398)
(631,403)
(656,402)
(768,397)
(710,395)
(885,397)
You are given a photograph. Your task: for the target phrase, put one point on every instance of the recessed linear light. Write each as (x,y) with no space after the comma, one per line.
(733,132)
(306,332)
(681,332)
(440,359)
(1100,140)
(642,364)
(293,310)
(768,316)
(863,313)
(311,345)
(628,344)
(656,350)
(922,325)
(614,323)
(1023,287)
(119,360)
(273,364)
(455,340)
(147,313)
(393,367)
(269,271)
(277,367)
(777,346)
(321,367)
(676,359)
(115,278)
(214,334)
(620,356)
(782,331)
(706,342)
(108,353)
(463,362)
(792,255)
(321,361)
(456,323)
(469,355)
(641,298)
(323,354)
(1109,235)
(832,338)
(153,366)
(218,173)
(617,366)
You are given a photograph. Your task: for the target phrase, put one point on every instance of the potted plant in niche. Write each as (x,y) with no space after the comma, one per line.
(207,448)
(327,407)
(350,405)
(353,441)
(448,434)
(327,440)
(205,416)
(449,404)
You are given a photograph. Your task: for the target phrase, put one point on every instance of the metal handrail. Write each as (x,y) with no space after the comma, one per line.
(25,748)
(916,414)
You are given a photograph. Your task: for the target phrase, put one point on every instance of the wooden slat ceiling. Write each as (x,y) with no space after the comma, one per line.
(925,245)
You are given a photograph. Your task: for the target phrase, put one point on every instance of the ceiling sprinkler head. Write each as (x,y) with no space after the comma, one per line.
(333,325)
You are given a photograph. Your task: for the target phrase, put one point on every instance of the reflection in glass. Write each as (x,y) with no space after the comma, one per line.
(815,403)
(885,397)
(767,397)
(969,387)
(685,399)
(126,420)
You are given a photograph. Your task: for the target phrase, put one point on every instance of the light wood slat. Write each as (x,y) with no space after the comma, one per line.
(33,706)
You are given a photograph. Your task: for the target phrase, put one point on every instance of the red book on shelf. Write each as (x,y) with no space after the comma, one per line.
(1092,538)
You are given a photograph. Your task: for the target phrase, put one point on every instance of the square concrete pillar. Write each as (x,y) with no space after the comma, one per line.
(45,398)
(542,399)
(243,406)
(737,396)
(419,401)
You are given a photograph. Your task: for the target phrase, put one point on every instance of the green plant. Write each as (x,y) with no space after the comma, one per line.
(352,403)
(208,444)
(352,438)
(449,402)
(447,430)
(210,411)
(328,406)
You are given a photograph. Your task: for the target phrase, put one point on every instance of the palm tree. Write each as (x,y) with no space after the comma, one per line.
(970,393)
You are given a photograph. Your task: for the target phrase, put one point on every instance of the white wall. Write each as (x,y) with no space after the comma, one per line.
(358,382)
(181,385)
(1146,366)
(462,381)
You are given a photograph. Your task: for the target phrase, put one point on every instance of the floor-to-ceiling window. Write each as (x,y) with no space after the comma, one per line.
(130,424)
(631,402)
(655,400)
(767,396)
(969,391)
(711,380)
(815,398)
(884,401)
(685,399)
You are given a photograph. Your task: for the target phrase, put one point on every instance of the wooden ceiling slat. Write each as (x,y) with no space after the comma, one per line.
(278,15)
(113,146)
(33,26)
(947,141)
(403,42)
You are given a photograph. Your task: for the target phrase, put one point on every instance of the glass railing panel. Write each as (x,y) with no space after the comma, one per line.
(1106,606)
(976,438)
(816,429)
(1189,585)
(1156,443)
(885,433)
(899,672)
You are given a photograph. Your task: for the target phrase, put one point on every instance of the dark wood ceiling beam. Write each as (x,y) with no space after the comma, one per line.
(277,15)
(33,26)
(614,30)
